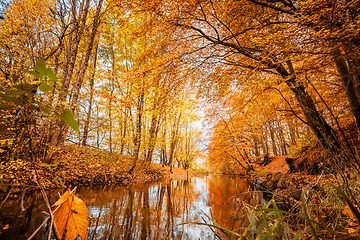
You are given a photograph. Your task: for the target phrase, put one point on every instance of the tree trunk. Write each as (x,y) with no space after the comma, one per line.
(82,71)
(272,136)
(349,83)
(174,139)
(292,133)
(137,137)
(124,129)
(256,146)
(281,138)
(110,100)
(163,150)
(154,129)
(264,138)
(98,128)
(88,117)
(76,30)
(322,130)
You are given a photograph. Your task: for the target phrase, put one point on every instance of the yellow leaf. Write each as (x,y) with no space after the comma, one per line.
(62,215)
(71,216)
(351,230)
(78,221)
(62,199)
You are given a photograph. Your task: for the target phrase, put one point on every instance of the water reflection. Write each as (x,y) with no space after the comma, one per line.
(141,211)
(154,211)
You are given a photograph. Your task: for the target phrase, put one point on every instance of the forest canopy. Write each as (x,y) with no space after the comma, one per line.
(130,77)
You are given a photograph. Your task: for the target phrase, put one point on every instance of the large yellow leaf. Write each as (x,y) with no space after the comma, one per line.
(78,221)
(71,216)
(62,214)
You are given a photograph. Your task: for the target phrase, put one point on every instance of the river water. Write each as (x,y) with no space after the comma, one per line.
(161,210)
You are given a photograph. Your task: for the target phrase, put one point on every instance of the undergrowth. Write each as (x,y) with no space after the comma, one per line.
(76,166)
(202,170)
(325,211)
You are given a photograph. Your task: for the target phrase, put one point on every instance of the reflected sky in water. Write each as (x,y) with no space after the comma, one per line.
(143,210)
(155,210)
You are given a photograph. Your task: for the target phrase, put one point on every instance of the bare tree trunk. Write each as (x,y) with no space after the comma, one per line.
(256,146)
(264,138)
(292,132)
(88,117)
(124,130)
(81,75)
(98,128)
(281,138)
(110,126)
(77,27)
(272,137)
(154,129)
(163,150)
(137,138)
(110,100)
(174,139)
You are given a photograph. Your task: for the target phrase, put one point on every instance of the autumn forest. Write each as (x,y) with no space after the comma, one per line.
(99,92)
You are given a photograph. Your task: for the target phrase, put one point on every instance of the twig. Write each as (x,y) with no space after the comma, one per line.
(22,200)
(45,198)
(32,235)
(7,196)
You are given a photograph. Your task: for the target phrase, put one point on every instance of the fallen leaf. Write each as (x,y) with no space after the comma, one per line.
(71,216)
(351,230)
(348,212)
(353,224)
(62,215)
(78,221)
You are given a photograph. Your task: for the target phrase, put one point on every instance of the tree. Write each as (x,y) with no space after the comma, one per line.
(76,28)
(251,35)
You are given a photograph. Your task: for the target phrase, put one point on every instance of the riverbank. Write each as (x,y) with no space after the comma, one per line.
(328,199)
(278,180)
(83,166)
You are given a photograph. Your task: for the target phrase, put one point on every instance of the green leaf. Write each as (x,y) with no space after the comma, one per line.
(10,99)
(23,86)
(256,232)
(69,119)
(45,87)
(43,70)
(65,93)
(35,74)
(45,109)
(6,106)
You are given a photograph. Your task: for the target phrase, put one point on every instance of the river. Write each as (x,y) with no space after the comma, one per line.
(159,210)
